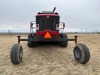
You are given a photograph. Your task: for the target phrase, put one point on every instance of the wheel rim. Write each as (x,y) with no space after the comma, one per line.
(77,53)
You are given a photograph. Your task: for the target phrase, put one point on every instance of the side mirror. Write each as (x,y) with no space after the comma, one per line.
(31,24)
(63,25)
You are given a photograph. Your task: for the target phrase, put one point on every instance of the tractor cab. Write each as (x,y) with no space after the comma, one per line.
(47,22)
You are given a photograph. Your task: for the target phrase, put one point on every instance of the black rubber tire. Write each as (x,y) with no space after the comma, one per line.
(65,42)
(30,43)
(81,53)
(16,54)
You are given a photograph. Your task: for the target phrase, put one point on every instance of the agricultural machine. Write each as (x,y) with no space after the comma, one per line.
(48,28)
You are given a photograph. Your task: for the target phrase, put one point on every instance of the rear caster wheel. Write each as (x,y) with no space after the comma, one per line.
(81,53)
(16,54)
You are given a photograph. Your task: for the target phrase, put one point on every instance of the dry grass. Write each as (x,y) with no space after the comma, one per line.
(50,59)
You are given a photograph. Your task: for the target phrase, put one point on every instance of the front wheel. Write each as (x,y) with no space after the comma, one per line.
(31,43)
(81,53)
(64,43)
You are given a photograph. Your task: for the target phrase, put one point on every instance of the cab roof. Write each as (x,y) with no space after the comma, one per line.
(47,13)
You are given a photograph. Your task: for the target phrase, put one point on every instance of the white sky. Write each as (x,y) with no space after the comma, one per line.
(77,14)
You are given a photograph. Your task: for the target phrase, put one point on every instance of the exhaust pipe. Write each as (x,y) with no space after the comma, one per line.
(54,9)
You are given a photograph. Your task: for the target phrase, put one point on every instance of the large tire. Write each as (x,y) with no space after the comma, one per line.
(16,54)
(31,43)
(65,42)
(81,53)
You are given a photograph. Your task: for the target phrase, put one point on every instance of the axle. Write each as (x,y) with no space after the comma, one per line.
(35,40)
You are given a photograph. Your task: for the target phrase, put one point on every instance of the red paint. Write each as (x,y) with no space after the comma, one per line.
(47,15)
(52,33)
(37,25)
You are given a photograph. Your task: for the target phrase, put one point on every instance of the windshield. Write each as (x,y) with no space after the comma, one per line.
(46,22)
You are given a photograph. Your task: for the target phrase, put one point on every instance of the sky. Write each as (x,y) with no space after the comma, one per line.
(78,15)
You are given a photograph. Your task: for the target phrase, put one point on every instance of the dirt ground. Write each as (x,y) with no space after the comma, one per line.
(50,59)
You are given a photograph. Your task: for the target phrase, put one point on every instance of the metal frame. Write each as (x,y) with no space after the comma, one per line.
(36,40)
(32,39)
